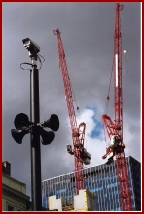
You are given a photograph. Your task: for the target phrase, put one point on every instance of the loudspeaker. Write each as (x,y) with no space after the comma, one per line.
(52,123)
(21,121)
(19,134)
(47,136)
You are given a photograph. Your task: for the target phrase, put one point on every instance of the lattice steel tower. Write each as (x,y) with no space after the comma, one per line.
(115,129)
(81,156)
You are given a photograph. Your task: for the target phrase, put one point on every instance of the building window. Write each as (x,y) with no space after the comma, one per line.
(10,208)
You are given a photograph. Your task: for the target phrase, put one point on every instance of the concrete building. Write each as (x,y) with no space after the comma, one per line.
(100,180)
(14,196)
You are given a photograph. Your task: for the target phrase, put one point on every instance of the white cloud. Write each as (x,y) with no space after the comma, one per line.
(86,117)
(95,146)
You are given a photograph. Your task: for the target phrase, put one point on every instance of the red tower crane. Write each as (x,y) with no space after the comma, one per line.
(115,129)
(81,156)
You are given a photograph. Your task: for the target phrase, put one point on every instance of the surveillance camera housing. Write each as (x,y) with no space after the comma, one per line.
(31,46)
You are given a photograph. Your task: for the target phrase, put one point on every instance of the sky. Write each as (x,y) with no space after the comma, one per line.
(87,32)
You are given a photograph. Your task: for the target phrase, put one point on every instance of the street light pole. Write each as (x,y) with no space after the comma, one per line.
(35,139)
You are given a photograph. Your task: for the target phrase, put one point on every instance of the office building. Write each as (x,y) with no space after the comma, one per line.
(100,180)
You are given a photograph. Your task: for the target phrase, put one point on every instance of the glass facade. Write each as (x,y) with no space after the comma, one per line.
(101,180)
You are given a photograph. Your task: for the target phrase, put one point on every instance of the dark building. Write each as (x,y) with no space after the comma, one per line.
(14,196)
(6,168)
(101,180)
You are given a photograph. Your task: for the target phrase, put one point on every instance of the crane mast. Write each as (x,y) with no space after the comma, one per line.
(78,132)
(115,129)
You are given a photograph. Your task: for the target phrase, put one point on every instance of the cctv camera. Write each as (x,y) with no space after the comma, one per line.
(31,46)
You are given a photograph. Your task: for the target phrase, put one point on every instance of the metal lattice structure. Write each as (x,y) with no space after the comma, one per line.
(115,129)
(78,132)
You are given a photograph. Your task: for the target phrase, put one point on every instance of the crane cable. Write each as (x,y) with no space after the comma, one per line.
(70,85)
(108,96)
(73,96)
(74,99)
(107,101)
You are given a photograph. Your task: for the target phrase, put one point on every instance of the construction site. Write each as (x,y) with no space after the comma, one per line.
(83,195)
(114,185)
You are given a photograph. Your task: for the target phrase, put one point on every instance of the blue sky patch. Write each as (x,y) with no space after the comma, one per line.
(98,124)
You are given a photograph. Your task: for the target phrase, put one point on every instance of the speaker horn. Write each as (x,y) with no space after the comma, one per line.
(47,136)
(52,123)
(19,134)
(21,121)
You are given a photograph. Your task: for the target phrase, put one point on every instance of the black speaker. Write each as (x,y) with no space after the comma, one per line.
(47,136)
(19,134)
(21,121)
(52,123)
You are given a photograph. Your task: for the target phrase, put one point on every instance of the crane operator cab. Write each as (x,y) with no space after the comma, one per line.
(114,142)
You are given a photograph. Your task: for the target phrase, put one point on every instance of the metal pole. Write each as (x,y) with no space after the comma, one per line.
(35,140)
